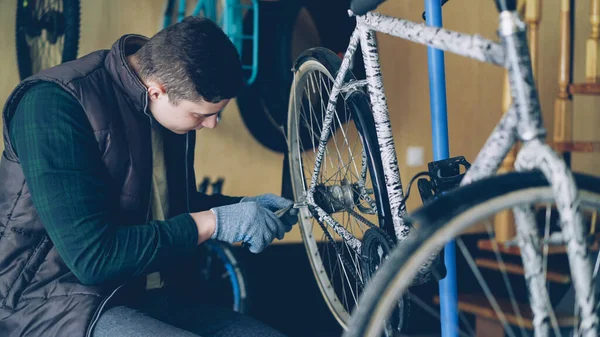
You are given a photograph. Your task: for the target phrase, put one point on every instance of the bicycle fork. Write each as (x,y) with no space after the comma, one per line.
(535,154)
(523,121)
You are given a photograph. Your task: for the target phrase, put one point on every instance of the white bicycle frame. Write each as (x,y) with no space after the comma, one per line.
(522,122)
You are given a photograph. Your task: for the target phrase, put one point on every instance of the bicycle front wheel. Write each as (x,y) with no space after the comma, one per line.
(502,297)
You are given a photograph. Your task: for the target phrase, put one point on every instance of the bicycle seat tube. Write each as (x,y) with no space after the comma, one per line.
(520,74)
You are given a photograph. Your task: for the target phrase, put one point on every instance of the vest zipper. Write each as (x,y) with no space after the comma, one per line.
(104,301)
(187,193)
(152,177)
(151,154)
(187,187)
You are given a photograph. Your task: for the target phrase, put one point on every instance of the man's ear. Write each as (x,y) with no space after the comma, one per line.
(156,91)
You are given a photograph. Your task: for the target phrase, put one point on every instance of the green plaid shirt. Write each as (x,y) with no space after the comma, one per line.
(68,183)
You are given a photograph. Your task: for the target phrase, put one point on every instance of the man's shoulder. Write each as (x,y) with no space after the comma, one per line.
(68,73)
(45,89)
(47,95)
(47,102)
(45,112)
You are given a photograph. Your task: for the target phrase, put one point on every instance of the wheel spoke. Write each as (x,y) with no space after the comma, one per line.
(509,288)
(485,287)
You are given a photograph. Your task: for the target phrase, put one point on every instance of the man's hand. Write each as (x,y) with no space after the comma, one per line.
(248,222)
(274,203)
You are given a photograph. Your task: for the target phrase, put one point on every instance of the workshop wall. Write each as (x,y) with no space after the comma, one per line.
(474,89)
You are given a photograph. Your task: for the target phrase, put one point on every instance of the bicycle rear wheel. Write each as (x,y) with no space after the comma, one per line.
(349,183)
(47,34)
(458,211)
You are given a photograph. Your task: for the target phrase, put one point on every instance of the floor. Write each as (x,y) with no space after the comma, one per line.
(285,295)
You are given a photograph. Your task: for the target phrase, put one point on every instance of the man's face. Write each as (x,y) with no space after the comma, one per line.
(186,115)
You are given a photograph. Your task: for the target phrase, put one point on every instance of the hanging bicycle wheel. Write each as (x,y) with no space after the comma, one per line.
(47,34)
(223,281)
(287,28)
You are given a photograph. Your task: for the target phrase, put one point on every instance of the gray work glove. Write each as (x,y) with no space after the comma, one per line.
(248,222)
(274,203)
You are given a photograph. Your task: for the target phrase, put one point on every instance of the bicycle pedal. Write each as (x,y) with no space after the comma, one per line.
(445,174)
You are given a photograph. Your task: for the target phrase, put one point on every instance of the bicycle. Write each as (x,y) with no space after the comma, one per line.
(385,256)
(224,281)
(229,15)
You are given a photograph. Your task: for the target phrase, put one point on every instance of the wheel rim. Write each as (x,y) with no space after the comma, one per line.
(223,277)
(339,286)
(415,254)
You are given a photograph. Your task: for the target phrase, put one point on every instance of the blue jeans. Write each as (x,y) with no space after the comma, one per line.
(163,314)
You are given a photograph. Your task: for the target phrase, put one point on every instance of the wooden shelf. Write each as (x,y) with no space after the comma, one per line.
(487,245)
(479,305)
(576,146)
(592,89)
(514,250)
(517,269)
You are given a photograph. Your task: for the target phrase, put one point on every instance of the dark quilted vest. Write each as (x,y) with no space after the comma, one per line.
(39,295)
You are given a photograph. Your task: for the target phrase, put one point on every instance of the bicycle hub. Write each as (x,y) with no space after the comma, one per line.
(336,198)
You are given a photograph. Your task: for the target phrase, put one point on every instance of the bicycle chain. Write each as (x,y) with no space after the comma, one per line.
(424,273)
(338,251)
(370,224)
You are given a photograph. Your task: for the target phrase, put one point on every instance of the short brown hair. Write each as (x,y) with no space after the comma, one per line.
(193,60)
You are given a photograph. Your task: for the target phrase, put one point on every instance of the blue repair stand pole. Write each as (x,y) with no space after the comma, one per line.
(439,129)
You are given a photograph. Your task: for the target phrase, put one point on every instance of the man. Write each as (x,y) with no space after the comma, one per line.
(99,214)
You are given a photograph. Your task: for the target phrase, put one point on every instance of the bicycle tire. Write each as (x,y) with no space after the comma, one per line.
(254,101)
(234,272)
(327,62)
(333,27)
(440,222)
(71,14)
(263,105)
